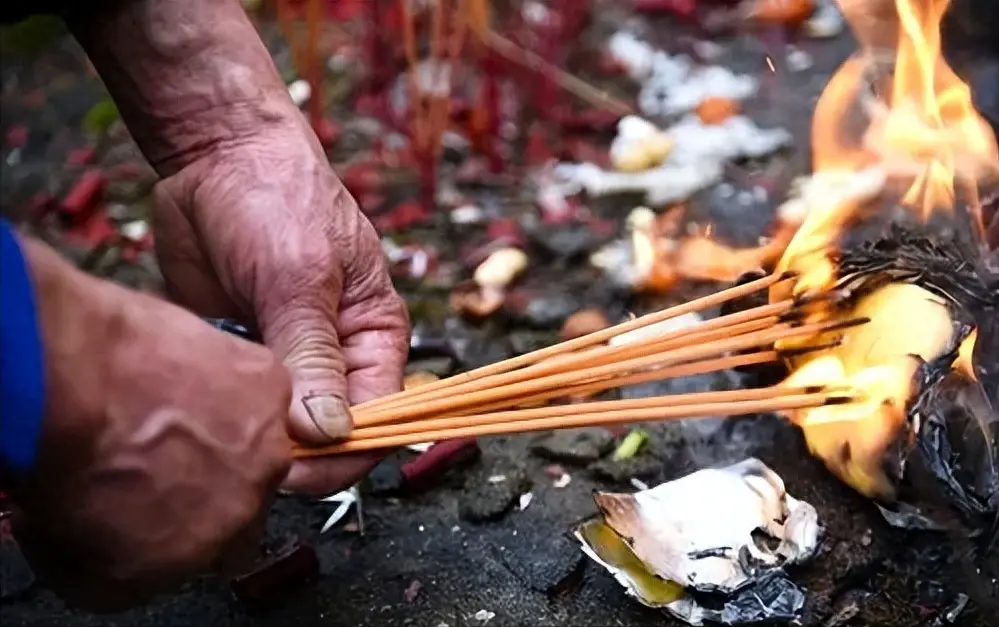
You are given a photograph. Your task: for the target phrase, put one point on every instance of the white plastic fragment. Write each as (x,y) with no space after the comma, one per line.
(496,479)
(638,145)
(346,499)
(525,500)
(662,95)
(675,84)
(467,214)
(661,185)
(300,91)
(652,331)
(826,21)
(562,481)
(135,230)
(798,60)
(484,616)
(635,55)
(422,447)
(694,162)
(500,268)
(736,137)
(697,532)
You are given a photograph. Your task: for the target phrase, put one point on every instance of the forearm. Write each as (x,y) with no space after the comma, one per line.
(187,75)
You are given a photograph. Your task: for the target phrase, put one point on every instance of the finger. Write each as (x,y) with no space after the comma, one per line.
(375,331)
(322,476)
(374,327)
(375,353)
(304,335)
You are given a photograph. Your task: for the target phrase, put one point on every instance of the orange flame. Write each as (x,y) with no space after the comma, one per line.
(924,134)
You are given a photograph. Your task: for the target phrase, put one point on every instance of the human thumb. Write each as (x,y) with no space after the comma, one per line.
(304,336)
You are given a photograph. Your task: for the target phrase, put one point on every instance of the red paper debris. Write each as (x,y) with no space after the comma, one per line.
(81,156)
(402,217)
(17,137)
(285,571)
(505,232)
(438,459)
(327,131)
(85,196)
(96,231)
(680,8)
(537,152)
(362,177)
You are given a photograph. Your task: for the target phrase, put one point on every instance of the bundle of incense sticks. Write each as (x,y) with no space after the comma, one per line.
(509,396)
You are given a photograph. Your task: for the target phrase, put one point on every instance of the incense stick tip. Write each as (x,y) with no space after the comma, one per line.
(837,400)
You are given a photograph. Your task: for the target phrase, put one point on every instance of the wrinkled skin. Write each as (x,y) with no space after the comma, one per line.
(165,439)
(148,470)
(250,220)
(304,263)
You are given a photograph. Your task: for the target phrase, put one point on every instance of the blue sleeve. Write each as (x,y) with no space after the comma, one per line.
(22,371)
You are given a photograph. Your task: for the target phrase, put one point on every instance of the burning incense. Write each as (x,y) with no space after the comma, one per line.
(666,410)
(503,397)
(448,403)
(585,341)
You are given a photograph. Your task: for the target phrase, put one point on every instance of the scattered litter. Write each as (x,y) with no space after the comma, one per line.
(953,611)
(639,484)
(300,92)
(630,445)
(484,615)
(675,84)
(497,479)
(798,60)
(467,214)
(422,447)
(826,21)
(525,500)
(697,533)
(554,471)
(657,329)
(562,481)
(500,268)
(281,572)
(661,185)
(412,591)
(345,499)
(427,469)
(694,161)
(717,110)
(136,230)
(583,322)
(639,145)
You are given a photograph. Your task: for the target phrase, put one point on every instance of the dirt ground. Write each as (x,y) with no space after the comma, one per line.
(420,560)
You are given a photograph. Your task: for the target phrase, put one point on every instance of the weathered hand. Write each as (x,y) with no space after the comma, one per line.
(162,445)
(251,222)
(263,230)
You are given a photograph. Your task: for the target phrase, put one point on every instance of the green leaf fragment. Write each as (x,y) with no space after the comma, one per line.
(100,117)
(631,445)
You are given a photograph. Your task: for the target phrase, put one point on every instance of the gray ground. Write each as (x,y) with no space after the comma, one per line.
(523,567)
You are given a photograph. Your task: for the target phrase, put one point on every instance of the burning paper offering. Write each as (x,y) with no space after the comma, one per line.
(693,546)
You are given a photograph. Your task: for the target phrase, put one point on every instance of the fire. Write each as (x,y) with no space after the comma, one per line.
(924,137)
